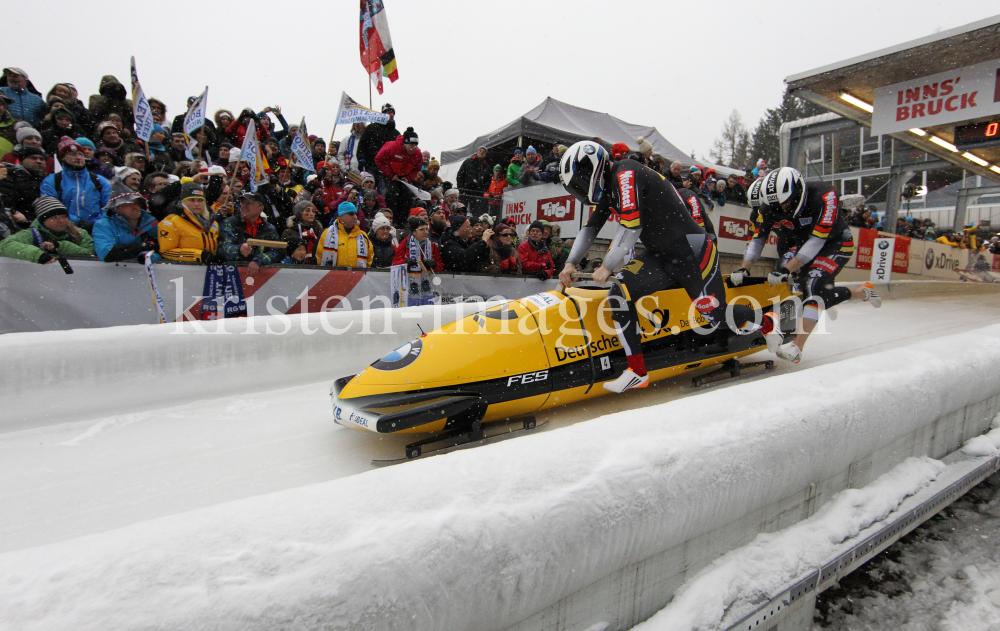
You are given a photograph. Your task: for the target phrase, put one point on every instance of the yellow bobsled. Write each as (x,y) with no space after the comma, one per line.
(549,349)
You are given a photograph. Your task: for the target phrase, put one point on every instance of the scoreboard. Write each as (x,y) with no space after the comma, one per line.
(978,135)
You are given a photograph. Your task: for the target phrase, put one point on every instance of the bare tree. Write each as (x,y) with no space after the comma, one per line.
(731,148)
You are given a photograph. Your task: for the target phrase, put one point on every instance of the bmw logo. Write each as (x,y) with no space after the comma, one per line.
(929,259)
(589,149)
(883,245)
(401,357)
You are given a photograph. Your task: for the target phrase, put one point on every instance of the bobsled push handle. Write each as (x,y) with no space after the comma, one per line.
(586,276)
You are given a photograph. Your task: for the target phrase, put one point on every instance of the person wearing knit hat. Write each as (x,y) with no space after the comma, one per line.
(460,252)
(619,151)
(87,143)
(431,178)
(83,193)
(645,148)
(536,259)
(514,168)
(344,243)
(126,231)
(419,212)
(295,252)
(191,233)
(383,241)
(130,177)
(28,132)
(304,225)
(531,168)
(420,255)
(59,237)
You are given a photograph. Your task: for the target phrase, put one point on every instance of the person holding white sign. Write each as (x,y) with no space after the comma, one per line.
(819,244)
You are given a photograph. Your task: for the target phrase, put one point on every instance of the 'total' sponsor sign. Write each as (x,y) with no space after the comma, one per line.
(946,97)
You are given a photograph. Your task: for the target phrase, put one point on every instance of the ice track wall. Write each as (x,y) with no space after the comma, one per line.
(595,523)
(58,376)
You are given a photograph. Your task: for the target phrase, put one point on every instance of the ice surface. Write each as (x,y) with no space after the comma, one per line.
(484,538)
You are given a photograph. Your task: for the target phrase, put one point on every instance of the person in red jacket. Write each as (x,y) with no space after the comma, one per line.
(400,161)
(495,191)
(417,250)
(535,256)
(237,130)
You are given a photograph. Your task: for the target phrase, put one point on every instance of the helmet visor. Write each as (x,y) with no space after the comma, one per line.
(579,184)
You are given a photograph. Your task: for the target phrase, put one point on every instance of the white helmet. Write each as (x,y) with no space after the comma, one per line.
(753,193)
(785,185)
(581,171)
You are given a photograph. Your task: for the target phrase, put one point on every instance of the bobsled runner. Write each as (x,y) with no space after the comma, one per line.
(497,367)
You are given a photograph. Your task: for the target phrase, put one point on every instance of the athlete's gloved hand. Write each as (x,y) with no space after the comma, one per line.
(542,275)
(737,277)
(778,278)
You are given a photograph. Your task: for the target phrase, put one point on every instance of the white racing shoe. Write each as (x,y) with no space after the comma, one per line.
(627,381)
(774,338)
(871,295)
(790,352)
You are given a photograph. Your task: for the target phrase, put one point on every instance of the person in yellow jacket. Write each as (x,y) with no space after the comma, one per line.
(344,243)
(193,234)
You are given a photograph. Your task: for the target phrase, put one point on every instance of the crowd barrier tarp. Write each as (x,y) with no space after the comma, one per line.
(42,298)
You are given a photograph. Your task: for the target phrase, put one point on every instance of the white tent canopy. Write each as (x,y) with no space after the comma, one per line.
(555,121)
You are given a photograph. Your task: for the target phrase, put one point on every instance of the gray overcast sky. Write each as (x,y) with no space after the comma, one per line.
(467,67)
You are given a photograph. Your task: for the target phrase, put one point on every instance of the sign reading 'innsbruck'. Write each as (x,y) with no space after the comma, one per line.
(946,97)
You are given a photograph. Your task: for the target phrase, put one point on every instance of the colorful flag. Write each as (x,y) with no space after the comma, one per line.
(140,109)
(300,147)
(195,117)
(251,154)
(377,55)
(350,112)
(190,144)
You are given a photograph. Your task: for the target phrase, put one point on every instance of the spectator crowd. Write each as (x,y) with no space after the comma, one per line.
(75,180)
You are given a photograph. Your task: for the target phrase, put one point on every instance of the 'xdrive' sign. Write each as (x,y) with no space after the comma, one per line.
(945,97)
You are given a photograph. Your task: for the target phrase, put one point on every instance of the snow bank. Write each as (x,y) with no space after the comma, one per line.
(58,376)
(755,572)
(485,538)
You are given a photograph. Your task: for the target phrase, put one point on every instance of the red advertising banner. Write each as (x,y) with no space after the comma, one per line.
(901,256)
(996,263)
(866,243)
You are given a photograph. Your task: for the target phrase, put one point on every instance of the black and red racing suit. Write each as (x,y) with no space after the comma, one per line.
(817,235)
(678,250)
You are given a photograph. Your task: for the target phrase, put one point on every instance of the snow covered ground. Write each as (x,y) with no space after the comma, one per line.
(944,576)
(64,481)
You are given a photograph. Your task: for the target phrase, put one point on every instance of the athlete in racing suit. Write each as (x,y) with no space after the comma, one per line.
(814,243)
(678,250)
(699,211)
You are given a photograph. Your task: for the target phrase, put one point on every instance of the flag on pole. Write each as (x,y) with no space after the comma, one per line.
(300,147)
(377,55)
(195,117)
(350,112)
(251,154)
(189,147)
(140,109)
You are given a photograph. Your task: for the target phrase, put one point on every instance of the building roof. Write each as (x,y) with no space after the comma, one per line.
(861,76)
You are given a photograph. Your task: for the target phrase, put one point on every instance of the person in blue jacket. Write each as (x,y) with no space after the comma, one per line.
(85,194)
(27,104)
(126,231)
